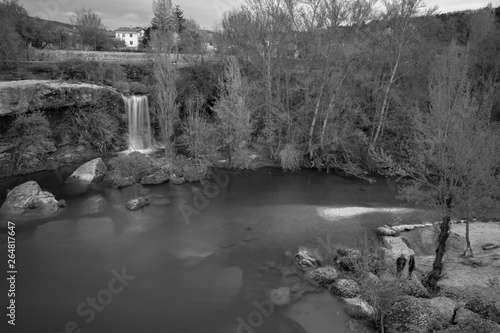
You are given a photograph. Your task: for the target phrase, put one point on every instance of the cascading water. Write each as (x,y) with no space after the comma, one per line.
(139,125)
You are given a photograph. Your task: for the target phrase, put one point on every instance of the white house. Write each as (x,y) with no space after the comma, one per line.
(131,36)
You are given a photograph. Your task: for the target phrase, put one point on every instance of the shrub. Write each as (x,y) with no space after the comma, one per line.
(134,165)
(31,137)
(191,169)
(290,158)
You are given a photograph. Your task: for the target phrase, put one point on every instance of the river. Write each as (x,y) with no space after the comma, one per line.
(192,262)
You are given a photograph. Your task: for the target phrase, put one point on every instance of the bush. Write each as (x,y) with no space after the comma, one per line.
(31,137)
(290,158)
(191,169)
(134,165)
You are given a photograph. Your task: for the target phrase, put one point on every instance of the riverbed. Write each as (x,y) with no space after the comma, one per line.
(200,258)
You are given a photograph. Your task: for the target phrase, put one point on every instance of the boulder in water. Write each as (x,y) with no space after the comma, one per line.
(345,288)
(322,276)
(358,308)
(80,179)
(28,200)
(91,171)
(306,260)
(137,203)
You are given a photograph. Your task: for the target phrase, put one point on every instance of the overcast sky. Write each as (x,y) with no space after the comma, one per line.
(118,13)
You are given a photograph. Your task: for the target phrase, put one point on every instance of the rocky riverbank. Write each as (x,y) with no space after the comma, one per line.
(382,284)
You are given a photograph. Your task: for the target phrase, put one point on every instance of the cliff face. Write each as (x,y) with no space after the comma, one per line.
(21,96)
(85,121)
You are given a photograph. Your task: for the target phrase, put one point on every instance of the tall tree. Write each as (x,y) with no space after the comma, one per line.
(455,168)
(232,112)
(165,73)
(163,17)
(179,19)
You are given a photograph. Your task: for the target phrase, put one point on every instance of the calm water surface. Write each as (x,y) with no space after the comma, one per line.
(201,274)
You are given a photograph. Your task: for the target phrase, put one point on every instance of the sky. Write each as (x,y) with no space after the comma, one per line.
(122,13)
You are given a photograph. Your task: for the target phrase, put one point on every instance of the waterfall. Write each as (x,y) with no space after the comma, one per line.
(139,125)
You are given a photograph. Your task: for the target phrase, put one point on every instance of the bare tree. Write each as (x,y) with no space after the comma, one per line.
(395,40)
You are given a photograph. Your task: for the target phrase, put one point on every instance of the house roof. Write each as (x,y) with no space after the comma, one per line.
(136,29)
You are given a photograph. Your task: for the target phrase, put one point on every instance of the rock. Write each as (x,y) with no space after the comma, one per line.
(386,231)
(485,309)
(403,227)
(397,248)
(93,205)
(410,314)
(322,276)
(360,309)
(156,178)
(17,97)
(28,200)
(468,321)
(279,296)
(305,260)
(345,288)
(176,180)
(444,306)
(413,287)
(79,181)
(62,203)
(137,203)
(91,171)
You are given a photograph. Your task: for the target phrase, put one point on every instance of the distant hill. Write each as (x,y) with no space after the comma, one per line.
(56,24)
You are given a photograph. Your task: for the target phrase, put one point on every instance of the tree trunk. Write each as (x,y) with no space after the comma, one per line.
(468,250)
(437,266)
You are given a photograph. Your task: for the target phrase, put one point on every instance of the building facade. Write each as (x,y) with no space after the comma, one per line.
(132,36)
